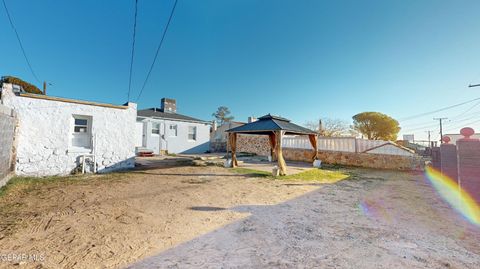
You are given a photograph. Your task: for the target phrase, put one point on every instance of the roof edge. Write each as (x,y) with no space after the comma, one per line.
(173,119)
(73,101)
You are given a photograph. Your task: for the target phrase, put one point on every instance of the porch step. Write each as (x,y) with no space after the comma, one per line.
(145,154)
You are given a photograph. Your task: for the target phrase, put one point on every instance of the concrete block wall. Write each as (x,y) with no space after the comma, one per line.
(7,133)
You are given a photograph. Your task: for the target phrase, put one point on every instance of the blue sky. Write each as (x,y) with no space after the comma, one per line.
(299,59)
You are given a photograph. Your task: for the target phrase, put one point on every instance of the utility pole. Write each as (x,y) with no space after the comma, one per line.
(441,128)
(429,136)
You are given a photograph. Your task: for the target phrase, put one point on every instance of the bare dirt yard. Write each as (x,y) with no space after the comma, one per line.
(210,217)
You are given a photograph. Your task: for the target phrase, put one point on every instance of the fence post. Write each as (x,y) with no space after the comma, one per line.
(356,146)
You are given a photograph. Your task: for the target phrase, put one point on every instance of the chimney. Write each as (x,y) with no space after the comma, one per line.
(251,119)
(168,105)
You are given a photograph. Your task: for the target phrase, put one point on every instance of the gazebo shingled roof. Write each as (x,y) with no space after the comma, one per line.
(269,123)
(275,127)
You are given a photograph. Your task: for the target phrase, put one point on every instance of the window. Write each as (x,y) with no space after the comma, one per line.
(173,130)
(155,128)
(81,126)
(82,135)
(192,133)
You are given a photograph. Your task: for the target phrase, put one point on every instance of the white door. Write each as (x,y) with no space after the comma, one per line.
(154,141)
(139,134)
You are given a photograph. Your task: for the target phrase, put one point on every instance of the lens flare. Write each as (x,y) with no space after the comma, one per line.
(458,198)
(375,209)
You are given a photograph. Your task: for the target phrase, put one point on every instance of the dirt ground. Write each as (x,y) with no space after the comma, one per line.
(190,217)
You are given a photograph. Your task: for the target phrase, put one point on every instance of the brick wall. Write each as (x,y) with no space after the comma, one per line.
(357,159)
(7,132)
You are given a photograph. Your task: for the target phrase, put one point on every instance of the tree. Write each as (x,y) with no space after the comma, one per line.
(376,126)
(222,115)
(330,127)
(27,87)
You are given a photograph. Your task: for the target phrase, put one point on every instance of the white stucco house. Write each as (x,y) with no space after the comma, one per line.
(54,134)
(163,130)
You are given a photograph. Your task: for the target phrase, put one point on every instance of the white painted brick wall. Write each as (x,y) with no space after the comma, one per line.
(7,128)
(45,128)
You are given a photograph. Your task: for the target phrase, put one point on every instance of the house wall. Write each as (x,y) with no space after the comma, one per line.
(176,144)
(45,132)
(7,135)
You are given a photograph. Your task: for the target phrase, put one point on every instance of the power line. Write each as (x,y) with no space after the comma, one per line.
(20,42)
(454,120)
(468,110)
(420,128)
(471,116)
(439,110)
(158,49)
(133,51)
(462,125)
(417,124)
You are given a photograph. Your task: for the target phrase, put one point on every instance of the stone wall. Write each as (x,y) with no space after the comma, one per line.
(7,134)
(356,159)
(45,129)
(218,146)
(257,144)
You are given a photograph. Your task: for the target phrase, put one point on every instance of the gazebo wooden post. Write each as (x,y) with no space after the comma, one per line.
(273,143)
(282,166)
(232,138)
(314,141)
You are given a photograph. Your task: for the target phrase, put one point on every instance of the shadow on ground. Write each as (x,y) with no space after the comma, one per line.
(325,228)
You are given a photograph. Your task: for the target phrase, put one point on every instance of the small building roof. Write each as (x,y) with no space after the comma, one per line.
(270,123)
(158,113)
(389,143)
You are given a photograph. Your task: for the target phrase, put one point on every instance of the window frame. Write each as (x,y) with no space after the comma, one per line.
(194,134)
(159,127)
(171,129)
(82,126)
(78,136)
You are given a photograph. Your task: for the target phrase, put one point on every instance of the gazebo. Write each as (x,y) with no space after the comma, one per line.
(275,127)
